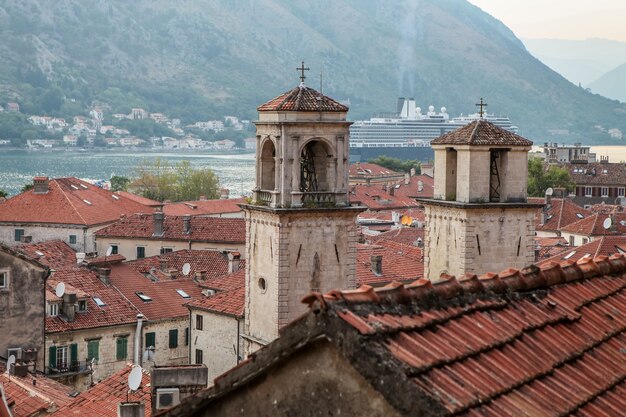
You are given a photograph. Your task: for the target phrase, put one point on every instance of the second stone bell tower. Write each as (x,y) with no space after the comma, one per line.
(300,229)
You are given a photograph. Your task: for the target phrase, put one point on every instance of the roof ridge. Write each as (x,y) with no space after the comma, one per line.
(449,287)
(69,201)
(473,134)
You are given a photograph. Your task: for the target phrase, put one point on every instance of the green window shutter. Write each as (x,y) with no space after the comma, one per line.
(73,353)
(52,356)
(150,340)
(173,338)
(93,349)
(187,336)
(122,348)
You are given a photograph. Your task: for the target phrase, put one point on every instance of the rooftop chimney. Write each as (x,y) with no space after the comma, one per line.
(407,179)
(377,264)
(158,223)
(69,307)
(104,275)
(202,198)
(26,239)
(40,185)
(392,190)
(163,264)
(427,169)
(233,261)
(200,275)
(130,409)
(224,193)
(136,355)
(187,224)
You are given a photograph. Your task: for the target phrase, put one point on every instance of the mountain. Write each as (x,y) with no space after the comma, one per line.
(612,84)
(201,59)
(580,61)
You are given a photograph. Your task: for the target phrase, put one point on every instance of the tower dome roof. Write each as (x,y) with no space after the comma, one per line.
(302,98)
(481,132)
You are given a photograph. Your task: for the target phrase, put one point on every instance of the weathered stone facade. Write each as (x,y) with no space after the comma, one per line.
(42,232)
(22,304)
(489,238)
(163,354)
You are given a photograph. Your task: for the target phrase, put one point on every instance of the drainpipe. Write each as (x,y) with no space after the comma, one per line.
(137,356)
(238,339)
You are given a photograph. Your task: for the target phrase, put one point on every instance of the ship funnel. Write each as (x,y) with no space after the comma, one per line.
(411,113)
(404,113)
(399,105)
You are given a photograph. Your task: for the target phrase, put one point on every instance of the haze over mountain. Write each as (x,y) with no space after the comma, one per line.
(201,59)
(612,84)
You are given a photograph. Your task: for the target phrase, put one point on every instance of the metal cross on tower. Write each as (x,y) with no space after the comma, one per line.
(481,105)
(302,68)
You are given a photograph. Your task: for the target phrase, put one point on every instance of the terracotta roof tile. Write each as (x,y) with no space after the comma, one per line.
(68,201)
(302,98)
(367,169)
(137,198)
(400,262)
(594,225)
(601,246)
(597,173)
(204,207)
(560,212)
(481,132)
(55,254)
(102,399)
(34,399)
(203,229)
(379,197)
(231,301)
(419,186)
(212,264)
(405,235)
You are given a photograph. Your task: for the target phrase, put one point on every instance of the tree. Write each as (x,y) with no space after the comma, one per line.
(540,178)
(160,181)
(3,194)
(396,164)
(27,187)
(119,183)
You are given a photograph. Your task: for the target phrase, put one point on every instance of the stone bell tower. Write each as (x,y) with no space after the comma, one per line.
(300,229)
(479,219)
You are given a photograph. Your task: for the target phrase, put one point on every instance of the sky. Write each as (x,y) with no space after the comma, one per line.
(560,19)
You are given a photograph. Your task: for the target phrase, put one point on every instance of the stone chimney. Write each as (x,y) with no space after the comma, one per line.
(233,261)
(26,239)
(224,193)
(104,274)
(407,179)
(200,275)
(377,264)
(412,172)
(427,169)
(158,223)
(392,190)
(40,185)
(560,192)
(163,265)
(69,307)
(203,198)
(187,224)
(130,409)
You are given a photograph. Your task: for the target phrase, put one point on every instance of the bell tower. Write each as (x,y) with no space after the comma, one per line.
(300,228)
(479,219)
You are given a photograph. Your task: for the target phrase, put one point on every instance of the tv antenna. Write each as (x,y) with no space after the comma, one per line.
(60,290)
(186,268)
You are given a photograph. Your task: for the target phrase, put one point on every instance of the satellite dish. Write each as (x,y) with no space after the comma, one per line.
(109,251)
(10,362)
(134,378)
(60,289)
(549,191)
(607,223)
(186,268)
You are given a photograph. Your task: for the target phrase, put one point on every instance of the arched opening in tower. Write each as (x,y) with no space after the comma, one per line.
(314,167)
(268,166)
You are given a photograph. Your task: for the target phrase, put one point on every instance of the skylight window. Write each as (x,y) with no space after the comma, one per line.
(84,186)
(569,255)
(99,302)
(115,197)
(39,253)
(183,294)
(145,298)
(87,202)
(580,216)
(74,187)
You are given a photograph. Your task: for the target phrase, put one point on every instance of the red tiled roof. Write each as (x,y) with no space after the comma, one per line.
(139,199)
(203,229)
(405,235)
(378,197)
(55,254)
(34,399)
(368,169)
(550,246)
(102,399)
(400,262)
(602,246)
(419,186)
(231,301)
(597,173)
(165,300)
(204,207)
(543,342)
(213,263)
(68,201)
(116,311)
(481,132)
(560,213)
(302,98)
(594,225)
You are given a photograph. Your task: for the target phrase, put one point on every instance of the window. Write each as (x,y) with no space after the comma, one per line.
(186,336)
(571,240)
(4,278)
(150,339)
(99,302)
(166,250)
(141,252)
(183,294)
(173,338)
(620,191)
(53,310)
(198,356)
(604,191)
(72,239)
(585,240)
(121,348)
(145,298)
(18,234)
(198,322)
(588,192)
(82,306)
(114,249)
(93,350)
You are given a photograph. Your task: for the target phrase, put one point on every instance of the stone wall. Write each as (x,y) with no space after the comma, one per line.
(128,247)
(163,354)
(85,239)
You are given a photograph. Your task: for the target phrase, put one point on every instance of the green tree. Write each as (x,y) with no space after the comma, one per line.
(3,194)
(396,164)
(119,183)
(542,176)
(27,187)
(161,181)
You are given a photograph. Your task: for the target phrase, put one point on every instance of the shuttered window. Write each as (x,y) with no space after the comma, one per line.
(73,354)
(52,357)
(93,350)
(121,351)
(173,338)
(150,340)
(187,336)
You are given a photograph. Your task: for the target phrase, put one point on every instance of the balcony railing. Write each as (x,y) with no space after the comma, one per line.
(70,368)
